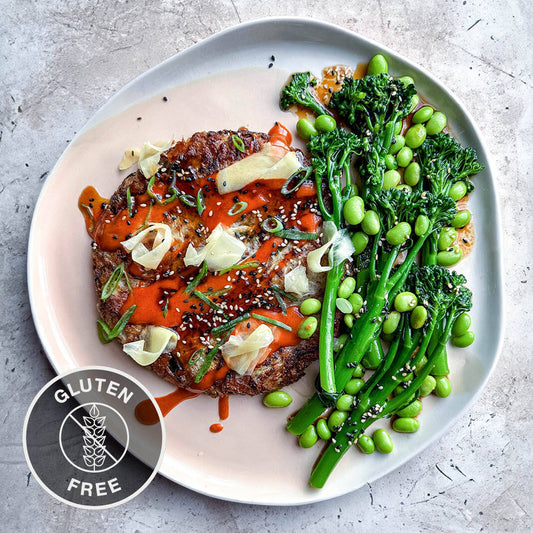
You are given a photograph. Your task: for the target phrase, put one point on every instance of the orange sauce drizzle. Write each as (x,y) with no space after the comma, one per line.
(216,428)
(223,407)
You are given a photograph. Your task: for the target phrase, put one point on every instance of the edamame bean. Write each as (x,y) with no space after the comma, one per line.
(391,178)
(398,127)
(461,325)
(344,402)
(308,438)
(399,143)
(450,257)
(421,225)
(404,188)
(354,386)
(390,162)
(411,175)
(359,241)
(399,233)
(461,219)
(418,317)
(325,123)
(338,344)
(411,410)
(357,302)
(398,390)
(404,156)
(310,306)
(390,325)
(436,123)
(366,444)
(423,115)
(371,224)
(343,305)
(420,365)
(382,441)
(277,399)
(447,237)
(354,210)
(322,429)
(358,371)
(306,129)
(405,301)
(415,136)
(443,387)
(336,420)
(428,386)
(308,327)
(414,102)
(457,190)
(377,65)
(464,340)
(346,288)
(406,425)
(348,320)
(407,80)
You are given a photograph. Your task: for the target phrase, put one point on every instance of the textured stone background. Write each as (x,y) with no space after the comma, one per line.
(60,60)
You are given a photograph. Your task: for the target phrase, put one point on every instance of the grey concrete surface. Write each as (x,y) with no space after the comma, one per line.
(60,60)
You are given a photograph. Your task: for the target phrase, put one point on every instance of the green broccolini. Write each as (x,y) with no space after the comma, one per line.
(298,91)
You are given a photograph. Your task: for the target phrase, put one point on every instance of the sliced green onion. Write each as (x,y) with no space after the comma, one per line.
(165,309)
(272,225)
(196,356)
(206,300)
(228,326)
(200,202)
(194,283)
(238,208)
(218,292)
(304,172)
(113,281)
(145,223)
(105,334)
(251,264)
(278,289)
(129,202)
(238,143)
(209,359)
(187,199)
(296,235)
(281,302)
(157,197)
(272,321)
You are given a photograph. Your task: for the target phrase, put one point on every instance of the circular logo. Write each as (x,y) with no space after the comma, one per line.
(85,442)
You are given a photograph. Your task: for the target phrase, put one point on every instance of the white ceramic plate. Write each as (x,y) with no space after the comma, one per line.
(254,459)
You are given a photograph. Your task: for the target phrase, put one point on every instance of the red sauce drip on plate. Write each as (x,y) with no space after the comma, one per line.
(216,428)
(146,413)
(223,407)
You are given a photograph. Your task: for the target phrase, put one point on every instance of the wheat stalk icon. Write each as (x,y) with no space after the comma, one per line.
(93,441)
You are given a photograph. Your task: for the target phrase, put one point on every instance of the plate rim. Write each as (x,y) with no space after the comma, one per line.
(95,119)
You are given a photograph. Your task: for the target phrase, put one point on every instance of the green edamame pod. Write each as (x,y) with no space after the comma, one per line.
(310,306)
(436,123)
(406,425)
(413,409)
(412,173)
(378,65)
(443,387)
(457,190)
(325,123)
(366,444)
(461,325)
(404,156)
(405,301)
(461,219)
(344,402)
(357,302)
(428,386)
(390,325)
(359,241)
(464,340)
(336,420)
(422,115)
(390,162)
(306,129)
(277,399)
(447,237)
(371,223)
(421,225)
(308,327)
(418,317)
(308,438)
(399,233)
(415,136)
(450,257)
(382,441)
(322,429)
(391,178)
(346,288)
